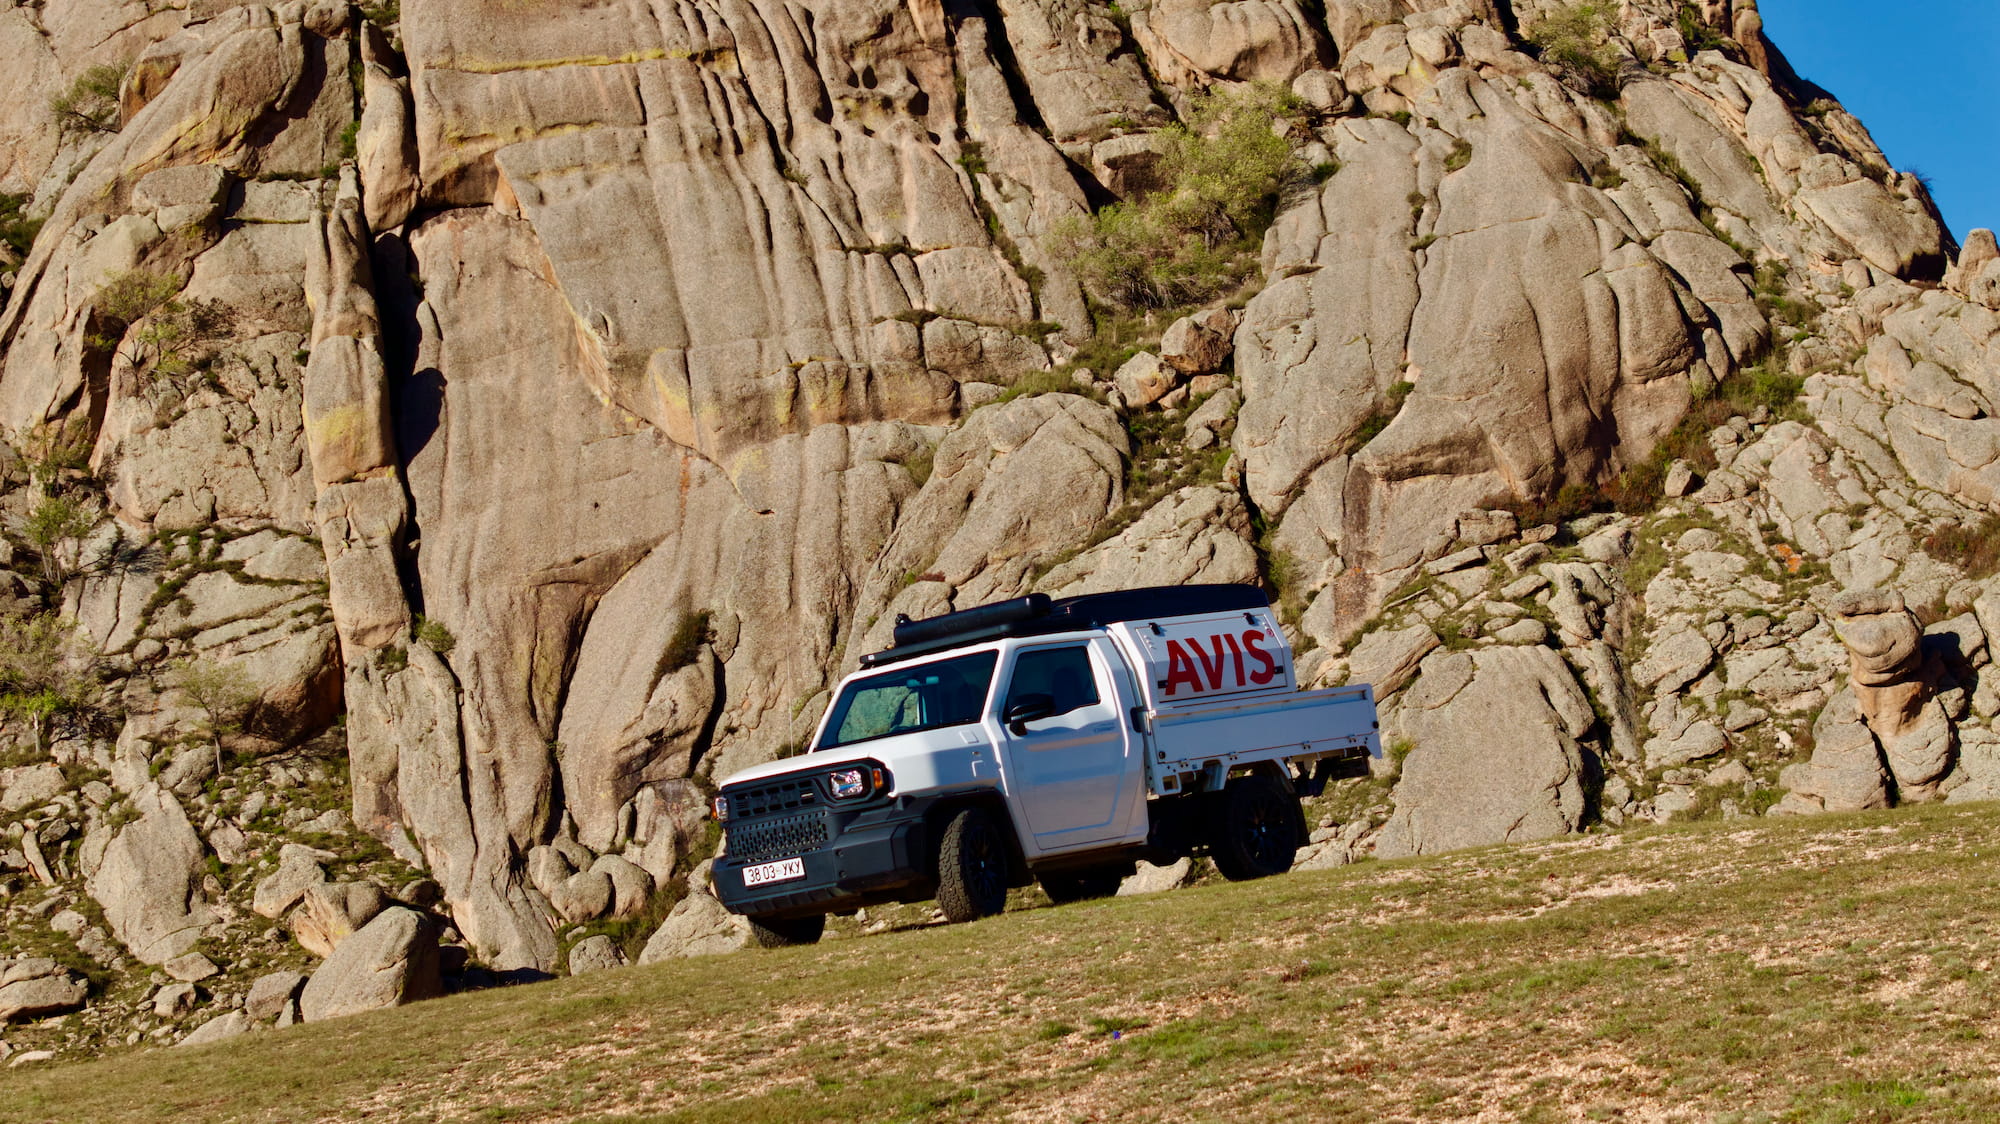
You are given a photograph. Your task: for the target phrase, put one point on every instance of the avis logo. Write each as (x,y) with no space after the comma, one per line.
(1201,669)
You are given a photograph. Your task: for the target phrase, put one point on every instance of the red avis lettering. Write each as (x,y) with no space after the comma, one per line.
(1211,668)
(1204,668)
(1180,669)
(1270,671)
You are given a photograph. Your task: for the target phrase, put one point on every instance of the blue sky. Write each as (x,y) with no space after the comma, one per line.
(1921,75)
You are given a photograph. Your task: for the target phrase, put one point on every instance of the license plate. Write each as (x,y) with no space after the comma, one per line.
(784,870)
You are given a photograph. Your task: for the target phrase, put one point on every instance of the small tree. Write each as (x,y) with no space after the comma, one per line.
(43,670)
(127,298)
(168,327)
(90,105)
(56,529)
(223,694)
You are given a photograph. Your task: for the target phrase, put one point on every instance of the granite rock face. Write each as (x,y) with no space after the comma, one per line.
(1459,788)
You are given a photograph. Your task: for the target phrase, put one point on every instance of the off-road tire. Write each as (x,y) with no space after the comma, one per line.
(1255,830)
(773,932)
(1088,882)
(972,867)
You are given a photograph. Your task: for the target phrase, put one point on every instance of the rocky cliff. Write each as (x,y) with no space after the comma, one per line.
(445,437)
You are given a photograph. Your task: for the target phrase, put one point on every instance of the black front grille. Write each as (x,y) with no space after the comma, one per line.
(771,797)
(779,837)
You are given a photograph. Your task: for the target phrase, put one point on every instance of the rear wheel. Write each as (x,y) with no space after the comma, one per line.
(775,932)
(1089,882)
(972,867)
(1255,831)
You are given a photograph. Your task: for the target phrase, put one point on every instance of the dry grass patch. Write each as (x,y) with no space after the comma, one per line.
(1831,969)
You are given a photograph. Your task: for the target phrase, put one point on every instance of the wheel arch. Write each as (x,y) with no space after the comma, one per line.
(995,806)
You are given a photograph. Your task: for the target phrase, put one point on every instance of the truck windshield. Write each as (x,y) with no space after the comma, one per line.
(926,697)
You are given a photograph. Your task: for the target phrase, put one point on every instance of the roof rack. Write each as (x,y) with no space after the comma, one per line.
(1039,615)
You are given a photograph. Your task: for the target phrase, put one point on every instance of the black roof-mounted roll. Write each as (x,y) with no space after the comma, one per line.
(1037,615)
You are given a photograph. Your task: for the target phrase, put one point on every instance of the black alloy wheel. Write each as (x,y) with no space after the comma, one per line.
(1255,833)
(972,867)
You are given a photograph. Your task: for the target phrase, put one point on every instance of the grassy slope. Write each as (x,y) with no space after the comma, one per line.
(1836,968)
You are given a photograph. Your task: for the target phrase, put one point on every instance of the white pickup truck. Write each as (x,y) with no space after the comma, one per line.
(1053,740)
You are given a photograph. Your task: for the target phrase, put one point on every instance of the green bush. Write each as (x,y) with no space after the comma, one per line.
(1974,548)
(17,230)
(1224,172)
(1575,42)
(90,105)
(1392,404)
(690,633)
(434,635)
(1696,32)
(54,451)
(221,692)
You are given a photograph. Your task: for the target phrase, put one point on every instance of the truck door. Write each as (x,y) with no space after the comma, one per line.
(1067,771)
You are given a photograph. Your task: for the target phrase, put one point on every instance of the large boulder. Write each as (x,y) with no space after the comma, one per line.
(698,925)
(330,912)
(29,785)
(227,1025)
(272,994)
(1078,67)
(595,954)
(41,996)
(1387,659)
(1199,344)
(1021,483)
(1463,787)
(1194,41)
(393,960)
(1845,773)
(147,876)
(298,870)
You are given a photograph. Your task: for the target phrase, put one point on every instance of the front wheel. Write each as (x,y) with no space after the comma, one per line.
(971,867)
(775,932)
(1254,834)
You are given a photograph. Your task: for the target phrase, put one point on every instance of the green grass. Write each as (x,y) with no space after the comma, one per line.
(1827,969)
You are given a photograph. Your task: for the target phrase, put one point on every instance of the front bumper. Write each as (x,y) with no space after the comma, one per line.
(865,857)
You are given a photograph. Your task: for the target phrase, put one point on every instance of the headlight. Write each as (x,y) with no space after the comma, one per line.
(720,808)
(848,784)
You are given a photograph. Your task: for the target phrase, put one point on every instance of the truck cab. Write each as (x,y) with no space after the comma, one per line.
(1029,739)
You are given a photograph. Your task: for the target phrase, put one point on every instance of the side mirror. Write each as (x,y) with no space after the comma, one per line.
(1027,709)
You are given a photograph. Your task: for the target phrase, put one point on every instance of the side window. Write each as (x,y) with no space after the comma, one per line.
(1063,673)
